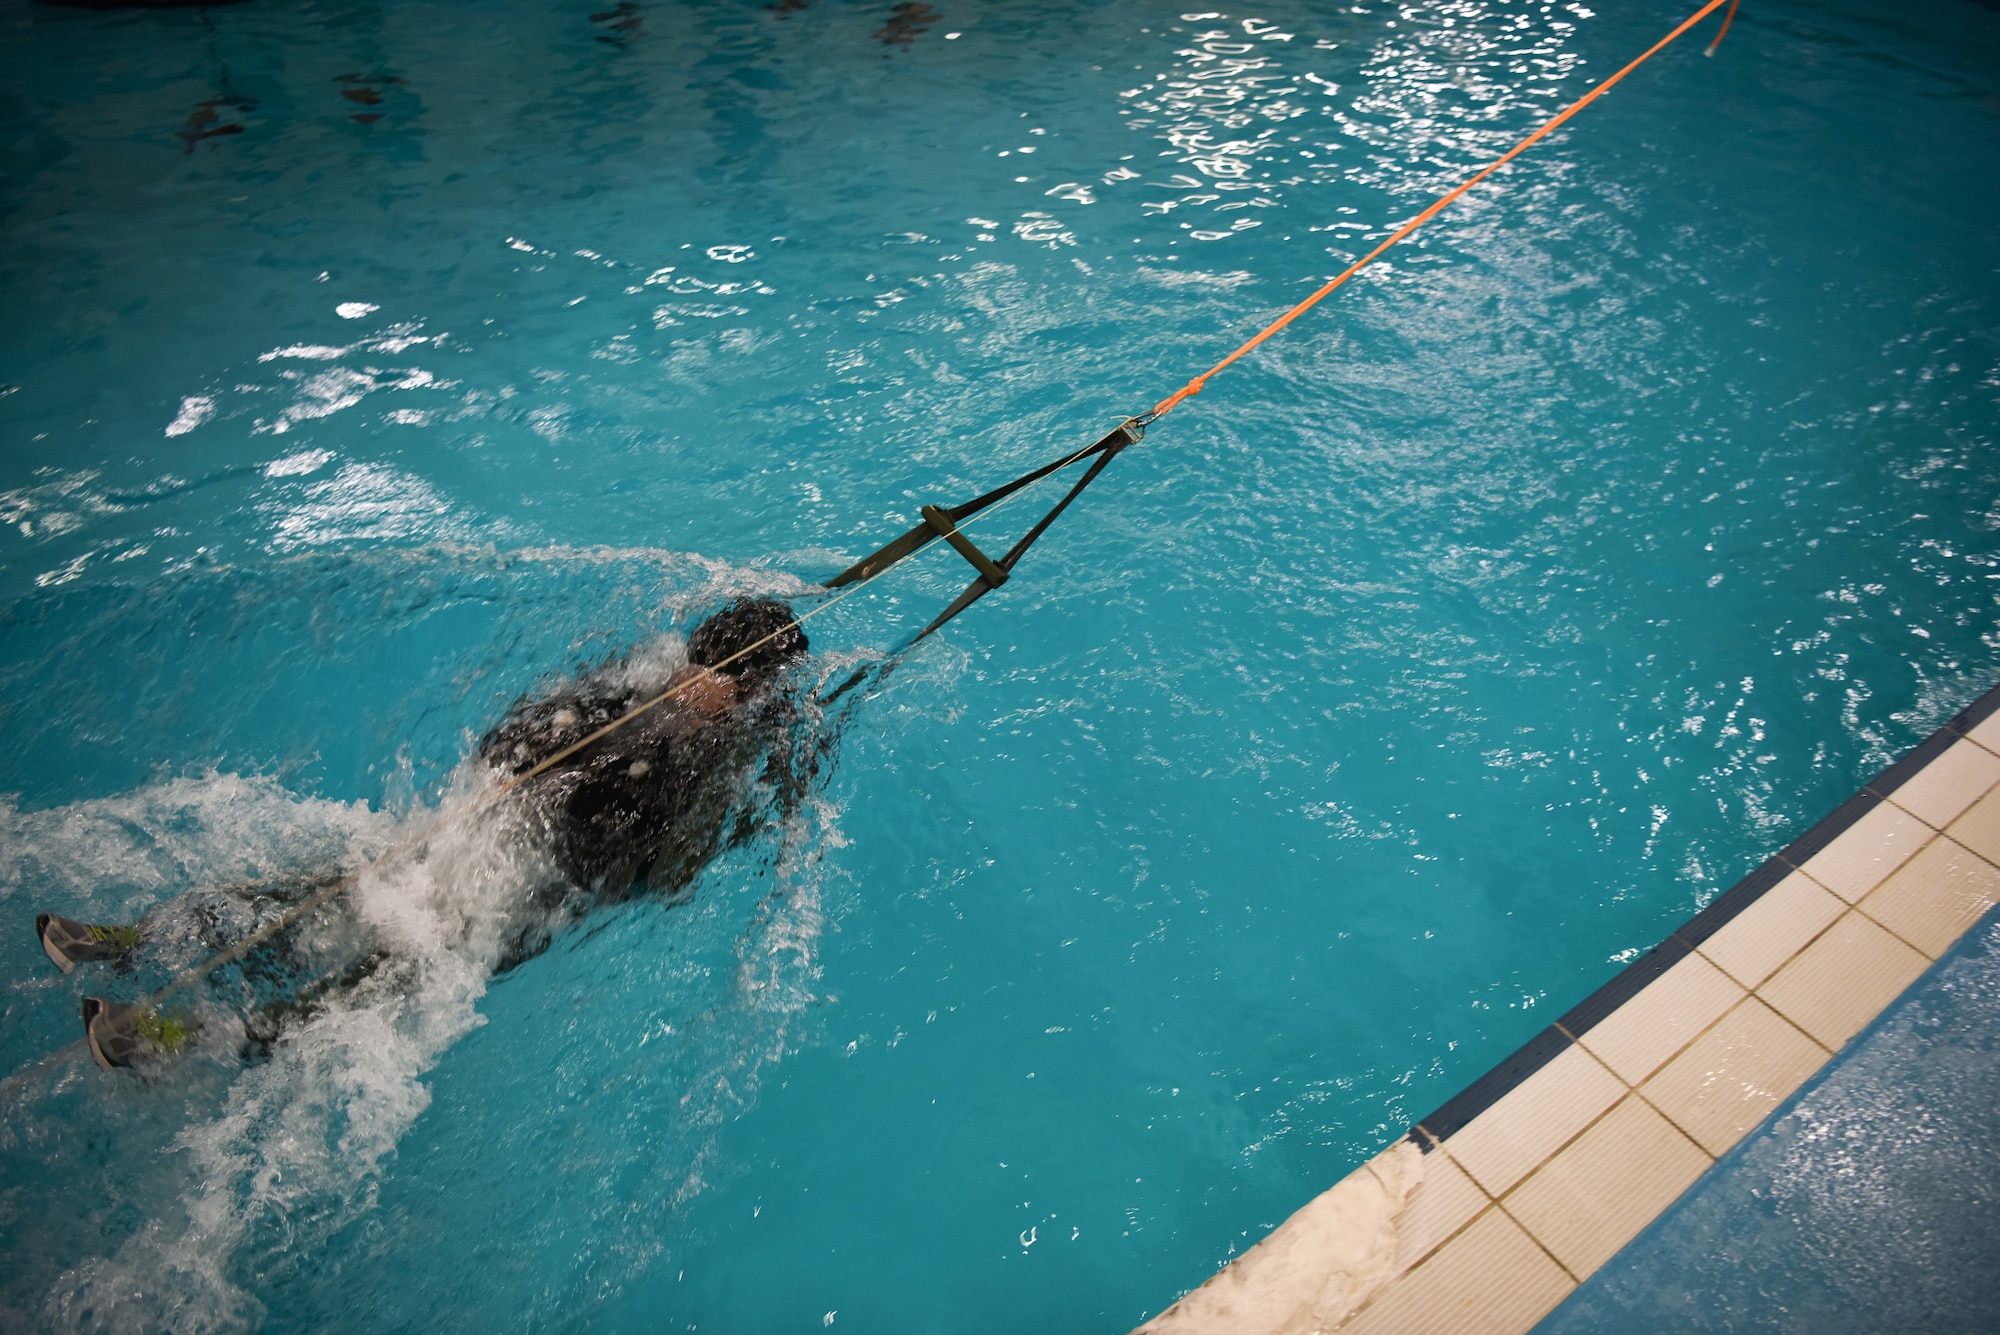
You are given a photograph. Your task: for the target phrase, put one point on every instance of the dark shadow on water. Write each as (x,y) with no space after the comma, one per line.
(906,22)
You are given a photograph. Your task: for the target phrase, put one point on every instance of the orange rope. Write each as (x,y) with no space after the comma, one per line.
(1723,31)
(1195,385)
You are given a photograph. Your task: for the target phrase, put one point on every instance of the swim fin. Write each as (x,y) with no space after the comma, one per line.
(69,943)
(121,1035)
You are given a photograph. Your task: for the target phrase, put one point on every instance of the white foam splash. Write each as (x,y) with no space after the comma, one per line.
(195,409)
(298,1146)
(297,465)
(112,857)
(1198,278)
(361,502)
(310,352)
(61,505)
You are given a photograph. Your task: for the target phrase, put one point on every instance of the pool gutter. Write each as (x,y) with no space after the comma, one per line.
(1498,1204)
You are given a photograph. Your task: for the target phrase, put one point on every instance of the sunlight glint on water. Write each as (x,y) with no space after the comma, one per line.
(1436,659)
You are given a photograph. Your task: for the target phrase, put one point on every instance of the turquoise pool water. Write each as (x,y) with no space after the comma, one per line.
(1439,658)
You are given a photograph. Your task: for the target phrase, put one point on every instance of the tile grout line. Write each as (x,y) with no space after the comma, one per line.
(1582,1131)
(1638,1091)
(1977,798)
(1974,740)
(1673,1056)
(1491,1204)
(1496,1203)
(1855,907)
(1800,1030)
(1535,1238)
(1668,1118)
(1442,1243)
(1845,909)
(1539,1163)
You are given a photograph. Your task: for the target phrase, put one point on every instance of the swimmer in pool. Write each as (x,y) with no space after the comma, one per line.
(637,812)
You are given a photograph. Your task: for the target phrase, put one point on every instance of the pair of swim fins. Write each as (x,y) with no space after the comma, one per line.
(119,1035)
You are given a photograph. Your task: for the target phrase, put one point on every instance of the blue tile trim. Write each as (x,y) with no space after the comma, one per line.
(1733,901)
(1976,713)
(1628,983)
(1488,1089)
(1912,761)
(1802,849)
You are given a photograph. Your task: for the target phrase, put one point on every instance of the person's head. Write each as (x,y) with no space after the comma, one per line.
(763,622)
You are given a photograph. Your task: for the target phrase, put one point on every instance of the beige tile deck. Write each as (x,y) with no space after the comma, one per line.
(1987,734)
(1593,1197)
(1979,828)
(1937,895)
(1446,1202)
(1734,1075)
(1871,848)
(1756,942)
(1639,1037)
(1843,980)
(1503,1144)
(1943,789)
(1491,1279)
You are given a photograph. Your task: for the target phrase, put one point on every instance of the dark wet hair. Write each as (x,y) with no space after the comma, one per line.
(740,625)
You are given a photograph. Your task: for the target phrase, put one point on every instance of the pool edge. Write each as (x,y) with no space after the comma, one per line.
(1536,1173)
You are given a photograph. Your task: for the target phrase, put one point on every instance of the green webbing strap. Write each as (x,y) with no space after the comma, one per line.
(942,522)
(947,530)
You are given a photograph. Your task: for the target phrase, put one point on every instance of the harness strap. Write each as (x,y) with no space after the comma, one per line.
(947,530)
(922,535)
(942,522)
